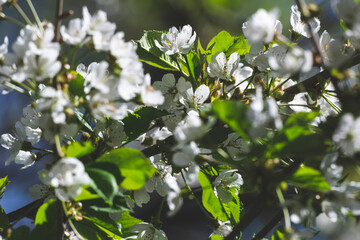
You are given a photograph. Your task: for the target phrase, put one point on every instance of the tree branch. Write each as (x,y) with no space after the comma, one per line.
(269,226)
(248,217)
(26,211)
(58,17)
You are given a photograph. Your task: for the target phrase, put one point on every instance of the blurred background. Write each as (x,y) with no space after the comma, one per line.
(207,17)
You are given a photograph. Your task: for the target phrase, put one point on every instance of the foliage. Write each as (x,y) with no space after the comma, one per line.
(238,120)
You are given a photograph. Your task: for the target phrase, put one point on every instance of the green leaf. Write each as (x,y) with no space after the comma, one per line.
(4,220)
(20,233)
(89,230)
(46,222)
(109,167)
(85,195)
(216,237)
(80,116)
(201,50)
(3,182)
(149,53)
(127,220)
(138,122)
(233,207)
(220,43)
(92,206)
(232,113)
(103,182)
(103,220)
(76,86)
(240,46)
(224,42)
(194,64)
(278,234)
(209,199)
(78,149)
(309,178)
(298,138)
(134,167)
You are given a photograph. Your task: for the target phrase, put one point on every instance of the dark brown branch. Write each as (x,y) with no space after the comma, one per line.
(248,217)
(311,82)
(270,225)
(58,17)
(26,211)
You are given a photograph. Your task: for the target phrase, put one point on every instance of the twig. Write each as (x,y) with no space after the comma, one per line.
(26,211)
(58,17)
(269,226)
(22,13)
(36,16)
(248,217)
(316,42)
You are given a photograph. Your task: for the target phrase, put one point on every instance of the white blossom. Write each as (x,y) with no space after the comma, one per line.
(42,66)
(332,49)
(96,77)
(38,51)
(294,61)
(223,229)
(121,49)
(191,128)
(148,231)
(167,86)
(99,27)
(353,35)
(347,134)
(188,97)
(15,144)
(262,115)
(348,10)
(300,26)
(185,155)
(149,95)
(75,33)
(176,41)
(260,28)
(221,67)
(67,176)
(4,48)
(54,101)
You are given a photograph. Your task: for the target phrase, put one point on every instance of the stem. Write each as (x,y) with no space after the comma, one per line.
(58,14)
(13,20)
(284,208)
(280,85)
(316,42)
(44,150)
(196,200)
(69,221)
(14,87)
(336,108)
(248,85)
(36,16)
(58,146)
(22,13)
